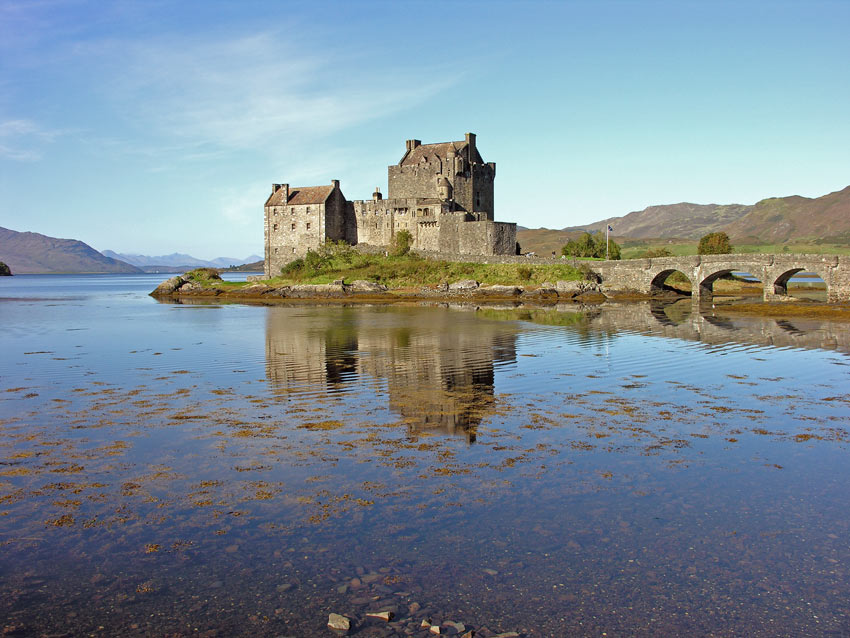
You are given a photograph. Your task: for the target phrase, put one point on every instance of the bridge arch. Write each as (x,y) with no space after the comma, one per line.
(780,283)
(706,283)
(657,285)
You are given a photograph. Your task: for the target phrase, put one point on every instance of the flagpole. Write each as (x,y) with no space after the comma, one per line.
(607,230)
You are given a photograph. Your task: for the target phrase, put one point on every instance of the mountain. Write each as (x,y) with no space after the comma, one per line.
(179,261)
(685,220)
(777,220)
(824,219)
(30,253)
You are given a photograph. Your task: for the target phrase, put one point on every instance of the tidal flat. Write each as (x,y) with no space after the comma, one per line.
(227,470)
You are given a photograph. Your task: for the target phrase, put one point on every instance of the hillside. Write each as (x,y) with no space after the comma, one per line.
(823,219)
(774,220)
(690,221)
(31,253)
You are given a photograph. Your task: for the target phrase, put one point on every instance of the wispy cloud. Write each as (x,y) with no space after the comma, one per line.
(24,140)
(260,90)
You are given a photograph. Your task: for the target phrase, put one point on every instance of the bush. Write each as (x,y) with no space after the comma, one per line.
(401,243)
(524,273)
(591,246)
(714,244)
(658,252)
(202,274)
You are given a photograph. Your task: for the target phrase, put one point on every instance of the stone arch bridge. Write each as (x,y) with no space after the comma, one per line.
(647,275)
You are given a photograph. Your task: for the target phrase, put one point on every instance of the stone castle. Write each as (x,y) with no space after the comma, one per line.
(442,194)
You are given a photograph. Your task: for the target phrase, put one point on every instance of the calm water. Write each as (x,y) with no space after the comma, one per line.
(232,470)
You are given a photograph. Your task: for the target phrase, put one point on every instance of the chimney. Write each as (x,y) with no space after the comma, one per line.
(335,183)
(377,194)
(275,188)
(411,144)
(285,188)
(470,141)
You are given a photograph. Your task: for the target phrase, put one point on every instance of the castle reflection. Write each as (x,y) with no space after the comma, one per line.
(436,366)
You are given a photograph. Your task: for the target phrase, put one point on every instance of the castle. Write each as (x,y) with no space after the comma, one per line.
(442,194)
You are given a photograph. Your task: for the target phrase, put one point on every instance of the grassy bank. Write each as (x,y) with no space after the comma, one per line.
(338,261)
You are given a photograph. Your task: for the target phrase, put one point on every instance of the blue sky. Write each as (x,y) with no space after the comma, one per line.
(157,127)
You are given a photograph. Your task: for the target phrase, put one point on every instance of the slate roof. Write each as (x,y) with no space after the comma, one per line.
(439,150)
(301,195)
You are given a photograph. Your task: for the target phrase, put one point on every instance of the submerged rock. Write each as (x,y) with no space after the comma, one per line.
(339,622)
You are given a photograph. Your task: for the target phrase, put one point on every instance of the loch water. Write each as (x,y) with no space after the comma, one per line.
(245,470)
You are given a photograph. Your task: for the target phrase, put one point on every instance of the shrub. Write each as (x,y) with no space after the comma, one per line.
(714,244)
(658,252)
(202,274)
(524,273)
(401,243)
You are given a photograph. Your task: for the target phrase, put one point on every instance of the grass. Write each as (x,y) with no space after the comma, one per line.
(338,261)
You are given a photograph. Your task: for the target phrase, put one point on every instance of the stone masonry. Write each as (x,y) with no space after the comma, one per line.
(774,271)
(442,194)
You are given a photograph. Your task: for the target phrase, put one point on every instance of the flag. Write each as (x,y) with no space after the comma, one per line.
(610,230)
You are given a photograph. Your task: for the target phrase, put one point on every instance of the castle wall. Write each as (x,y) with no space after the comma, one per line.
(377,221)
(486,237)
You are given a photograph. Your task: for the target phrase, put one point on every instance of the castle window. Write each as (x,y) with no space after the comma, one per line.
(274,227)
(293,251)
(292,227)
(308,225)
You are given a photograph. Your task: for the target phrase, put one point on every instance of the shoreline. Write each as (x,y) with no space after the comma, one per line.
(179,290)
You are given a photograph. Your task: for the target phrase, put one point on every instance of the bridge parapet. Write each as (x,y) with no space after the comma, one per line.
(646,275)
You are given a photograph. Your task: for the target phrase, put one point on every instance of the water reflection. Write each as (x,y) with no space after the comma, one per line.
(679,320)
(435,366)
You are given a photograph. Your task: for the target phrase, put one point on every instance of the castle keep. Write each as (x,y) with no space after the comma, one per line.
(442,194)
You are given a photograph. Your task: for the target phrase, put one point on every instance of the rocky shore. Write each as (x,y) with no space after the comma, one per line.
(180,287)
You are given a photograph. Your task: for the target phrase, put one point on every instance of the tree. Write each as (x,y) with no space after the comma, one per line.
(714,244)
(591,246)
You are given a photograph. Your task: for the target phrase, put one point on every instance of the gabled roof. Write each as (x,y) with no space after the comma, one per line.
(301,195)
(439,150)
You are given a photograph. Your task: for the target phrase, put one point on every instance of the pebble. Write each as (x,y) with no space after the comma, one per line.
(490,572)
(284,587)
(459,626)
(355,583)
(337,621)
(435,629)
(412,608)
(380,615)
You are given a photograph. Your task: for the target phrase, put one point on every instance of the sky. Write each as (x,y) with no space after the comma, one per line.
(153,127)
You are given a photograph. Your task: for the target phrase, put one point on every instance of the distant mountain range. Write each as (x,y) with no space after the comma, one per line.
(33,253)
(178,261)
(30,253)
